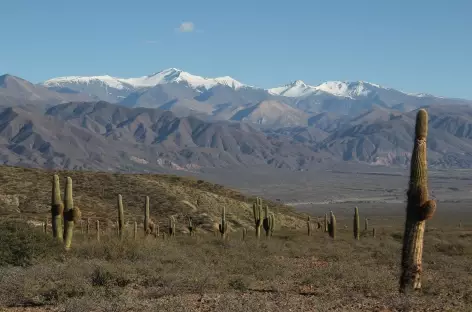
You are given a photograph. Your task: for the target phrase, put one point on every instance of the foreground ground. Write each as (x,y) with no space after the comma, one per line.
(290,272)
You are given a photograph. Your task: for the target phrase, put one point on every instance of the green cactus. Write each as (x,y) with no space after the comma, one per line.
(190,226)
(357,233)
(121,217)
(135,230)
(366,224)
(419,209)
(244,233)
(332,226)
(308,225)
(45,226)
(57,209)
(71,214)
(326,223)
(171,226)
(223,227)
(267,222)
(147,230)
(272,224)
(97,225)
(258,217)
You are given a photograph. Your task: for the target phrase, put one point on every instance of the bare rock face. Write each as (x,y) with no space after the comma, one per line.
(9,203)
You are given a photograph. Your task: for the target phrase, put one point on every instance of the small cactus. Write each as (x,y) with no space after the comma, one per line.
(308,226)
(135,230)
(244,233)
(332,226)
(223,227)
(366,224)
(121,217)
(258,218)
(57,209)
(356,224)
(419,209)
(87,230)
(171,226)
(45,226)
(146,217)
(97,226)
(373,232)
(326,223)
(71,214)
(190,226)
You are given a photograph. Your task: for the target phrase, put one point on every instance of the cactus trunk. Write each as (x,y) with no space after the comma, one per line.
(223,226)
(146,216)
(71,214)
(121,217)
(366,224)
(356,224)
(97,224)
(258,219)
(332,226)
(308,226)
(326,228)
(418,210)
(57,209)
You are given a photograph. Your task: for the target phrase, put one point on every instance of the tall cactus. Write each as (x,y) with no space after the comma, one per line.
(272,224)
(171,226)
(57,209)
(419,209)
(332,226)
(356,224)
(223,227)
(146,217)
(121,217)
(71,214)
(267,221)
(258,216)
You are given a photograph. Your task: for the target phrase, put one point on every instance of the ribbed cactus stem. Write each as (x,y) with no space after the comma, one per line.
(356,224)
(419,209)
(57,209)
(266,223)
(190,226)
(71,214)
(326,223)
(121,217)
(272,224)
(171,226)
(308,225)
(258,217)
(146,216)
(223,226)
(97,227)
(332,226)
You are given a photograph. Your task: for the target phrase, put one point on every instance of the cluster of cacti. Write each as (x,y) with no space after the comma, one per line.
(223,227)
(258,216)
(419,209)
(356,227)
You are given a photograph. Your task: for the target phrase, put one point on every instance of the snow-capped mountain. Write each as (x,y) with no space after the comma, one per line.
(336,88)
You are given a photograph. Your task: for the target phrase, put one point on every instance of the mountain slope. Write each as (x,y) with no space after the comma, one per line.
(19,91)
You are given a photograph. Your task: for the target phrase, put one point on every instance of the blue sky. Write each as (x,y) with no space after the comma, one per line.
(415,46)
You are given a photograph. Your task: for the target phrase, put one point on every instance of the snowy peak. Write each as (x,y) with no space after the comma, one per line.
(170,75)
(336,88)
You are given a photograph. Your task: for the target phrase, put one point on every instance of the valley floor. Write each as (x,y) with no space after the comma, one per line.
(290,272)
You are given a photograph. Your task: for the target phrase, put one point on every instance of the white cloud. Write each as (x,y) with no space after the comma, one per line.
(186,27)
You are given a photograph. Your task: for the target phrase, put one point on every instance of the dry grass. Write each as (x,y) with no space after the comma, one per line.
(290,272)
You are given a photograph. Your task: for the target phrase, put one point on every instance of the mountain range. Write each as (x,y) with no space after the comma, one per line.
(173,120)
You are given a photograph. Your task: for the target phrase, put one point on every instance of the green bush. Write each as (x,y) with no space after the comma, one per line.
(22,244)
